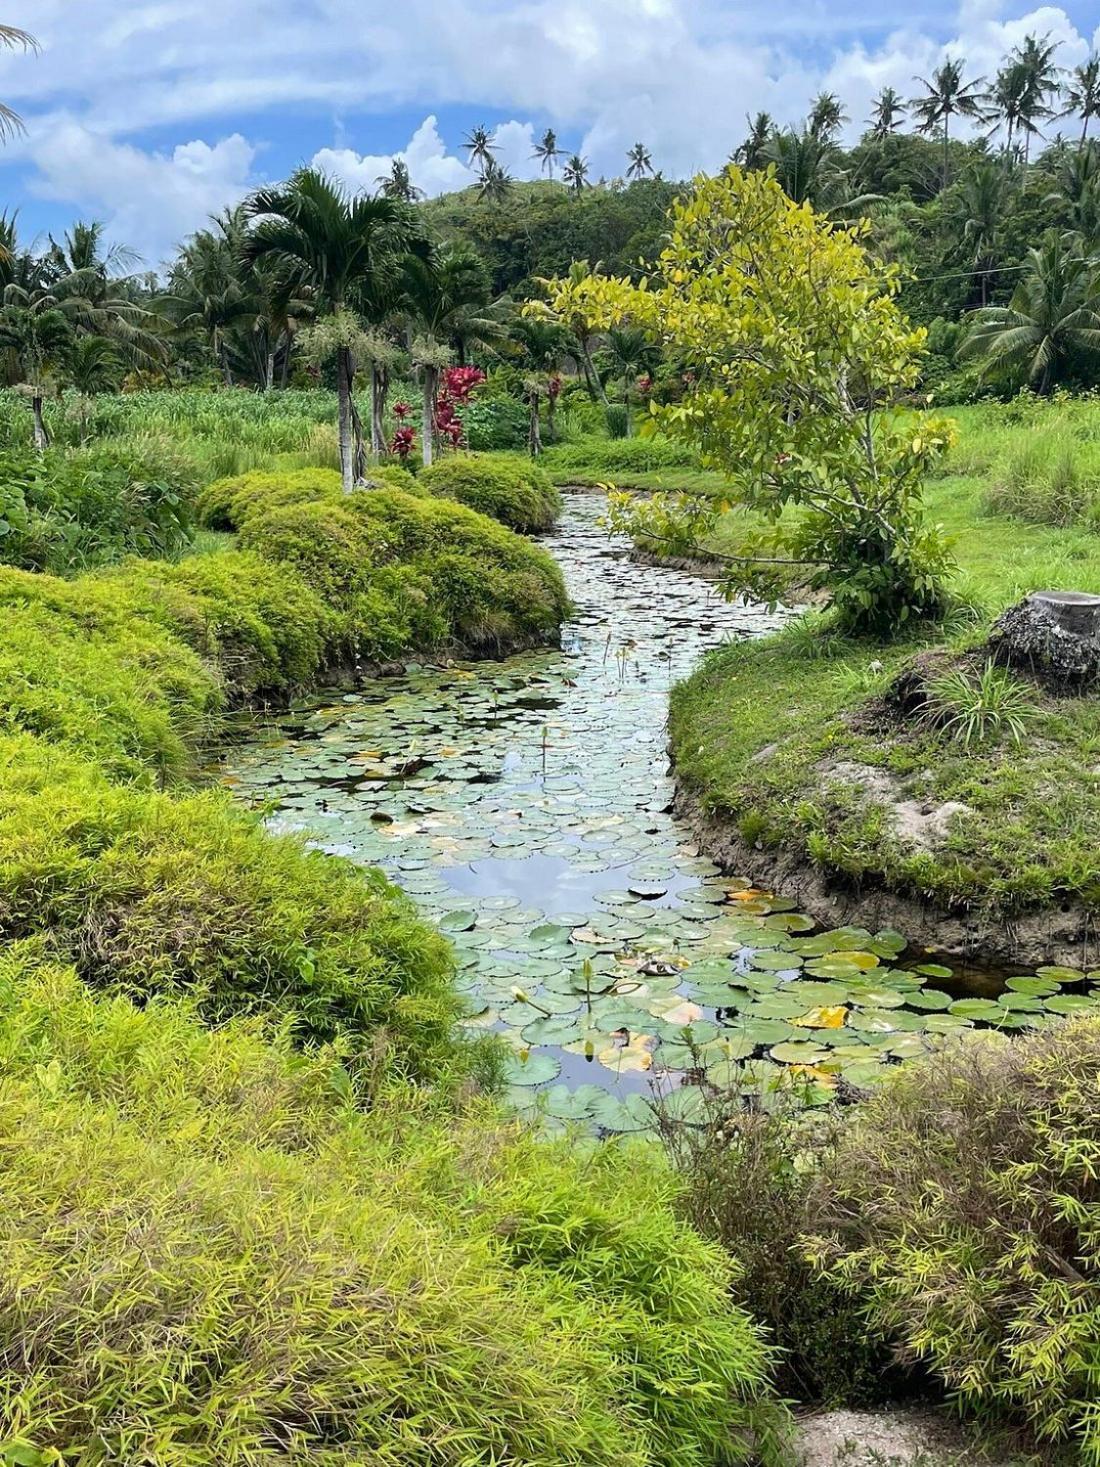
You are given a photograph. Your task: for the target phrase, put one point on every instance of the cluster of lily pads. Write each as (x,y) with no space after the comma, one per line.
(524,805)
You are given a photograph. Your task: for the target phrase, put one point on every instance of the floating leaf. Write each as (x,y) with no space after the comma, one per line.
(530,1068)
(823,1018)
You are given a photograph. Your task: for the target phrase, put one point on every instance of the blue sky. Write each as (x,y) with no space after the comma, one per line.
(151,114)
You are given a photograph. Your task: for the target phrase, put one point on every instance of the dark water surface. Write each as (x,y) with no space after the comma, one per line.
(524,805)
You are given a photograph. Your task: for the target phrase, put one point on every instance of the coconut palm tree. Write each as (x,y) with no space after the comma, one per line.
(1041,83)
(886,114)
(1082,94)
(639,161)
(945,96)
(827,117)
(978,212)
(11,124)
(807,170)
(1006,101)
(495,184)
(94,366)
(345,254)
(575,172)
(547,152)
(1054,315)
(750,154)
(38,337)
(480,148)
(398,184)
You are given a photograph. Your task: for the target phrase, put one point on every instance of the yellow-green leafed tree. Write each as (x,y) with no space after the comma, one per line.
(798,361)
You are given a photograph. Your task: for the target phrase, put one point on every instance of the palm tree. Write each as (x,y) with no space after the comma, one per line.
(11,124)
(206,293)
(640,162)
(398,184)
(946,96)
(38,336)
(886,114)
(807,170)
(751,152)
(496,183)
(547,152)
(542,341)
(827,117)
(345,253)
(1006,101)
(1041,82)
(1083,94)
(577,325)
(630,354)
(480,147)
(979,209)
(575,172)
(93,366)
(1054,315)
(443,296)
(1078,193)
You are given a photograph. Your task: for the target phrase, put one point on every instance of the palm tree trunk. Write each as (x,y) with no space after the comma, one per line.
(427,430)
(1084,134)
(377,410)
(626,401)
(343,390)
(534,436)
(595,386)
(946,153)
(41,432)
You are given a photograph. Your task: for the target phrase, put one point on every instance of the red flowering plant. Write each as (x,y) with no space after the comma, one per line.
(401,411)
(404,440)
(457,387)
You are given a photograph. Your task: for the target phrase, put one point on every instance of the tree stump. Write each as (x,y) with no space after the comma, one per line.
(1054,635)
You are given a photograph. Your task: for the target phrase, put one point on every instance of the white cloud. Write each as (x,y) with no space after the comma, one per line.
(679,75)
(149,199)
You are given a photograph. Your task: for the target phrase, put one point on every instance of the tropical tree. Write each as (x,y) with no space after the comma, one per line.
(94,366)
(807,170)
(443,297)
(480,148)
(1006,101)
(577,323)
(547,152)
(13,39)
(88,284)
(945,96)
(398,184)
(495,183)
(630,354)
(794,339)
(206,293)
(1082,94)
(1041,83)
(886,114)
(639,161)
(346,254)
(38,337)
(575,172)
(827,117)
(1052,318)
(751,152)
(978,210)
(542,343)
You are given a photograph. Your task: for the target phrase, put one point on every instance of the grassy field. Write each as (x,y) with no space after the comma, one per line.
(794,744)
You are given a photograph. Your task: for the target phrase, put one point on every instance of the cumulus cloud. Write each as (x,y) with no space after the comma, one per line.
(149,199)
(678,75)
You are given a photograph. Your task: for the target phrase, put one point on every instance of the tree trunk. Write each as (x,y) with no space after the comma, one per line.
(626,404)
(946,154)
(284,373)
(427,430)
(41,432)
(269,372)
(534,436)
(343,389)
(377,443)
(590,371)
(550,432)
(1054,635)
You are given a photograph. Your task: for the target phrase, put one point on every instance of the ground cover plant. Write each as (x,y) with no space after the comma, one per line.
(270,1271)
(511,489)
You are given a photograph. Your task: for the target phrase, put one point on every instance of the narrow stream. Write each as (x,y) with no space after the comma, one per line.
(524,805)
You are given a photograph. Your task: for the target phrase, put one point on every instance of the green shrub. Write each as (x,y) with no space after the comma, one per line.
(71,508)
(617,420)
(494,424)
(154,894)
(209,1256)
(227,504)
(508,488)
(963,1209)
(748,1173)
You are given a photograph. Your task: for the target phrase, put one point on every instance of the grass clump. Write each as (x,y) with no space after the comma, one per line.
(507,487)
(643,463)
(269,1274)
(963,1209)
(978,706)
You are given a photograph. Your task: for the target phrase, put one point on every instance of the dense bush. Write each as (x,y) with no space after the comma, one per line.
(963,1208)
(511,489)
(495,423)
(227,504)
(268,1275)
(154,894)
(68,509)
